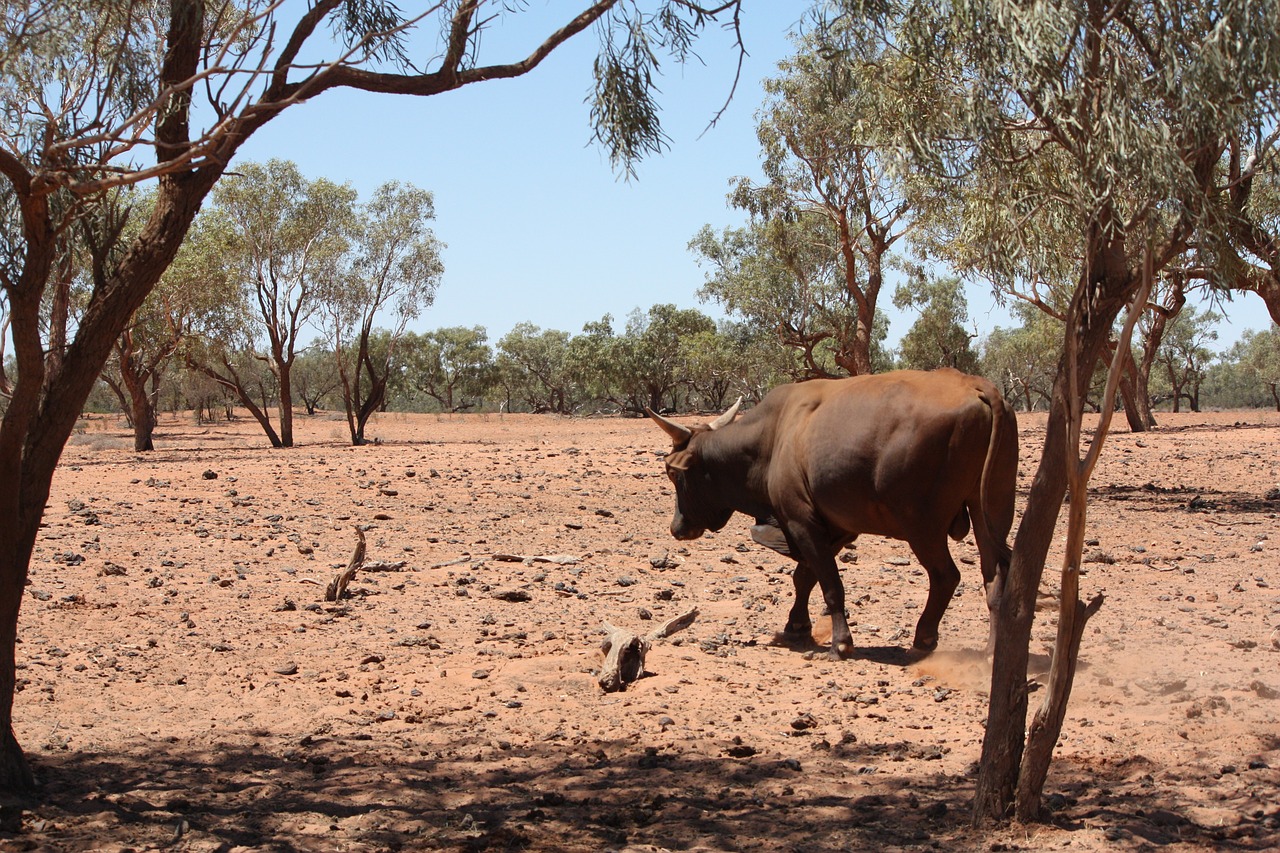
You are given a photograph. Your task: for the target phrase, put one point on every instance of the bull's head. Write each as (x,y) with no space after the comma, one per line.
(699,504)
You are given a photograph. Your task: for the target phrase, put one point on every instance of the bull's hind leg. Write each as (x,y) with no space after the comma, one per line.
(944,577)
(995,558)
(799,625)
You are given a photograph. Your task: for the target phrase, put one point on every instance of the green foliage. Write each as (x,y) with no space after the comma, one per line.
(1248,375)
(938,337)
(649,359)
(535,369)
(1023,360)
(1184,354)
(624,107)
(787,286)
(451,365)
(811,263)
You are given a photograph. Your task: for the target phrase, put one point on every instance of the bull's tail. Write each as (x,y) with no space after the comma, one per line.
(1002,421)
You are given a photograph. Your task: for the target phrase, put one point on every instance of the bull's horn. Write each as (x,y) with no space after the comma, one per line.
(727,417)
(678,432)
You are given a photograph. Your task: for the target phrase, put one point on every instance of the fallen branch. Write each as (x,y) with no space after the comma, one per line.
(338,586)
(384,566)
(625,652)
(466,558)
(558,559)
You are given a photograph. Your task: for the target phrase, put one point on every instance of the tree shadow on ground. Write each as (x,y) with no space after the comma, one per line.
(362,793)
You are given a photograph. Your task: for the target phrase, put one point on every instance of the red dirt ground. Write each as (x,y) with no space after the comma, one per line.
(185,687)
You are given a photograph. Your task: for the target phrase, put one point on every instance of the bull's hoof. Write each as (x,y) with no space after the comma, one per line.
(842,651)
(925,644)
(798,631)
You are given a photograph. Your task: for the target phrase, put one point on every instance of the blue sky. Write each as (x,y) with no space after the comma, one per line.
(538,226)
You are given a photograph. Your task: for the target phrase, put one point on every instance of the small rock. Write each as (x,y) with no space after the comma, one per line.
(480,674)
(210,475)
(286,669)
(803,722)
(1263,691)
(664,562)
(513,595)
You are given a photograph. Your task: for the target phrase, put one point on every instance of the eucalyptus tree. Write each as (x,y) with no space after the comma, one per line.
(449,365)
(1094,126)
(1184,354)
(714,367)
(193,285)
(1249,260)
(393,276)
(594,363)
(290,237)
(1258,353)
(102,95)
(1022,360)
(534,365)
(649,359)
(1168,296)
(938,337)
(830,160)
(315,376)
(773,275)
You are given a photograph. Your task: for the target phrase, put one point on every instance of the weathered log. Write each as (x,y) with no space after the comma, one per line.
(338,586)
(625,651)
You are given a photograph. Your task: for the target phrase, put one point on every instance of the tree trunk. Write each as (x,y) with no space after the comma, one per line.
(1003,743)
(1142,390)
(233,384)
(15,773)
(1046,726)
(1106,292)
(286,404)
(1135,394)
(142,410)
(1129,401)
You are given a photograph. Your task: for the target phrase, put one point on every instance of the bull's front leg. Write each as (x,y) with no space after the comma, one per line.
(828,577)
(799,625)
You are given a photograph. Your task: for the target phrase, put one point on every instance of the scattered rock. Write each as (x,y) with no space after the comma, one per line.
(1263,691)
(803,722)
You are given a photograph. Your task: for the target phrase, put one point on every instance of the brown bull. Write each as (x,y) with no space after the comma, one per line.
(908,455)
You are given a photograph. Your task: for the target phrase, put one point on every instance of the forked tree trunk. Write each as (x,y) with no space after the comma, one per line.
(1046,726)
(1135,393)
(1004,740)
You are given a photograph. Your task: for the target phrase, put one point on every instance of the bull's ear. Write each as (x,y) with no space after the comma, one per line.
(679,433)
(727,417)
(681,460)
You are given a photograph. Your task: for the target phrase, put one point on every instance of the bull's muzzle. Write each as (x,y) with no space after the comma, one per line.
(685,534)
